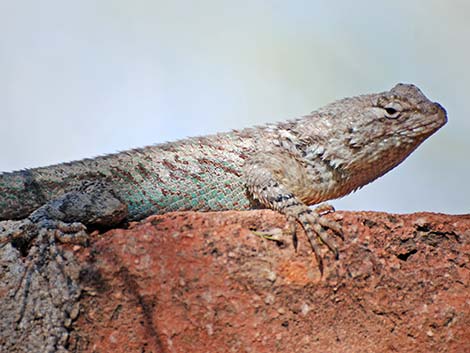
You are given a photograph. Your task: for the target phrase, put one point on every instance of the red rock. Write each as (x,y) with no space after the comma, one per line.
(202,282)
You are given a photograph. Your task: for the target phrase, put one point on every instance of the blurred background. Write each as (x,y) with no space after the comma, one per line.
(83,78)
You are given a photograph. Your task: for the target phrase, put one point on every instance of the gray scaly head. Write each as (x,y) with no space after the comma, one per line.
(364,137)
(395,123)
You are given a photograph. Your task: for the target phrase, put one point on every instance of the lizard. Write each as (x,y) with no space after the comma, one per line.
(285,166)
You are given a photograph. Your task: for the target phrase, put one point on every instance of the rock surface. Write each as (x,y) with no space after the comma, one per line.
(203,282)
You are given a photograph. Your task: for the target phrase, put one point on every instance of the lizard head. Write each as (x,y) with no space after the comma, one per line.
(361,138)
(402,115)
(386,127)
(409,112)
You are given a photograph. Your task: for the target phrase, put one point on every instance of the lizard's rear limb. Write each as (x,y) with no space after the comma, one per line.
(92,204)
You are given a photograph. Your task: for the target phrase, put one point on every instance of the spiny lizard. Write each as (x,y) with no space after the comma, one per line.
(282,166)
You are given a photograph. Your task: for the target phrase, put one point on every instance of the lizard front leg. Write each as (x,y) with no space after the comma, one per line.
(278,181)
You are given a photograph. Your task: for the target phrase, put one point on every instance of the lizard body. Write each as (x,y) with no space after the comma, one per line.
(283,166)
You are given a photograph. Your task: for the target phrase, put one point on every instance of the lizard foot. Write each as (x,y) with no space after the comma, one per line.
(69,233)
(20,233)
(316,228)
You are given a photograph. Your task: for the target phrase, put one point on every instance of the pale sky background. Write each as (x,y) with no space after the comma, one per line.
(83,78)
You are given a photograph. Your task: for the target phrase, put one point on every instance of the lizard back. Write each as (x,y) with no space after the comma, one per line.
(321,156)
(201,173)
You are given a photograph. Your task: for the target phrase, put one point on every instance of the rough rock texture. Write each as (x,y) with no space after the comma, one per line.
(39,297)
(203,282)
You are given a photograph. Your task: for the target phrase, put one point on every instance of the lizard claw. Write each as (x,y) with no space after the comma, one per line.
(333,225)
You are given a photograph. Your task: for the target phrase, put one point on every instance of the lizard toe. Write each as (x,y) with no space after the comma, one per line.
(333,225)
(70,233)
(313,240)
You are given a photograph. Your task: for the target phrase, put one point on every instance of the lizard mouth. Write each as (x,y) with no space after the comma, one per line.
(428,127)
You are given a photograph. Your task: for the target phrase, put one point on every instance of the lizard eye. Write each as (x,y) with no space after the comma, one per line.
(393,110)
